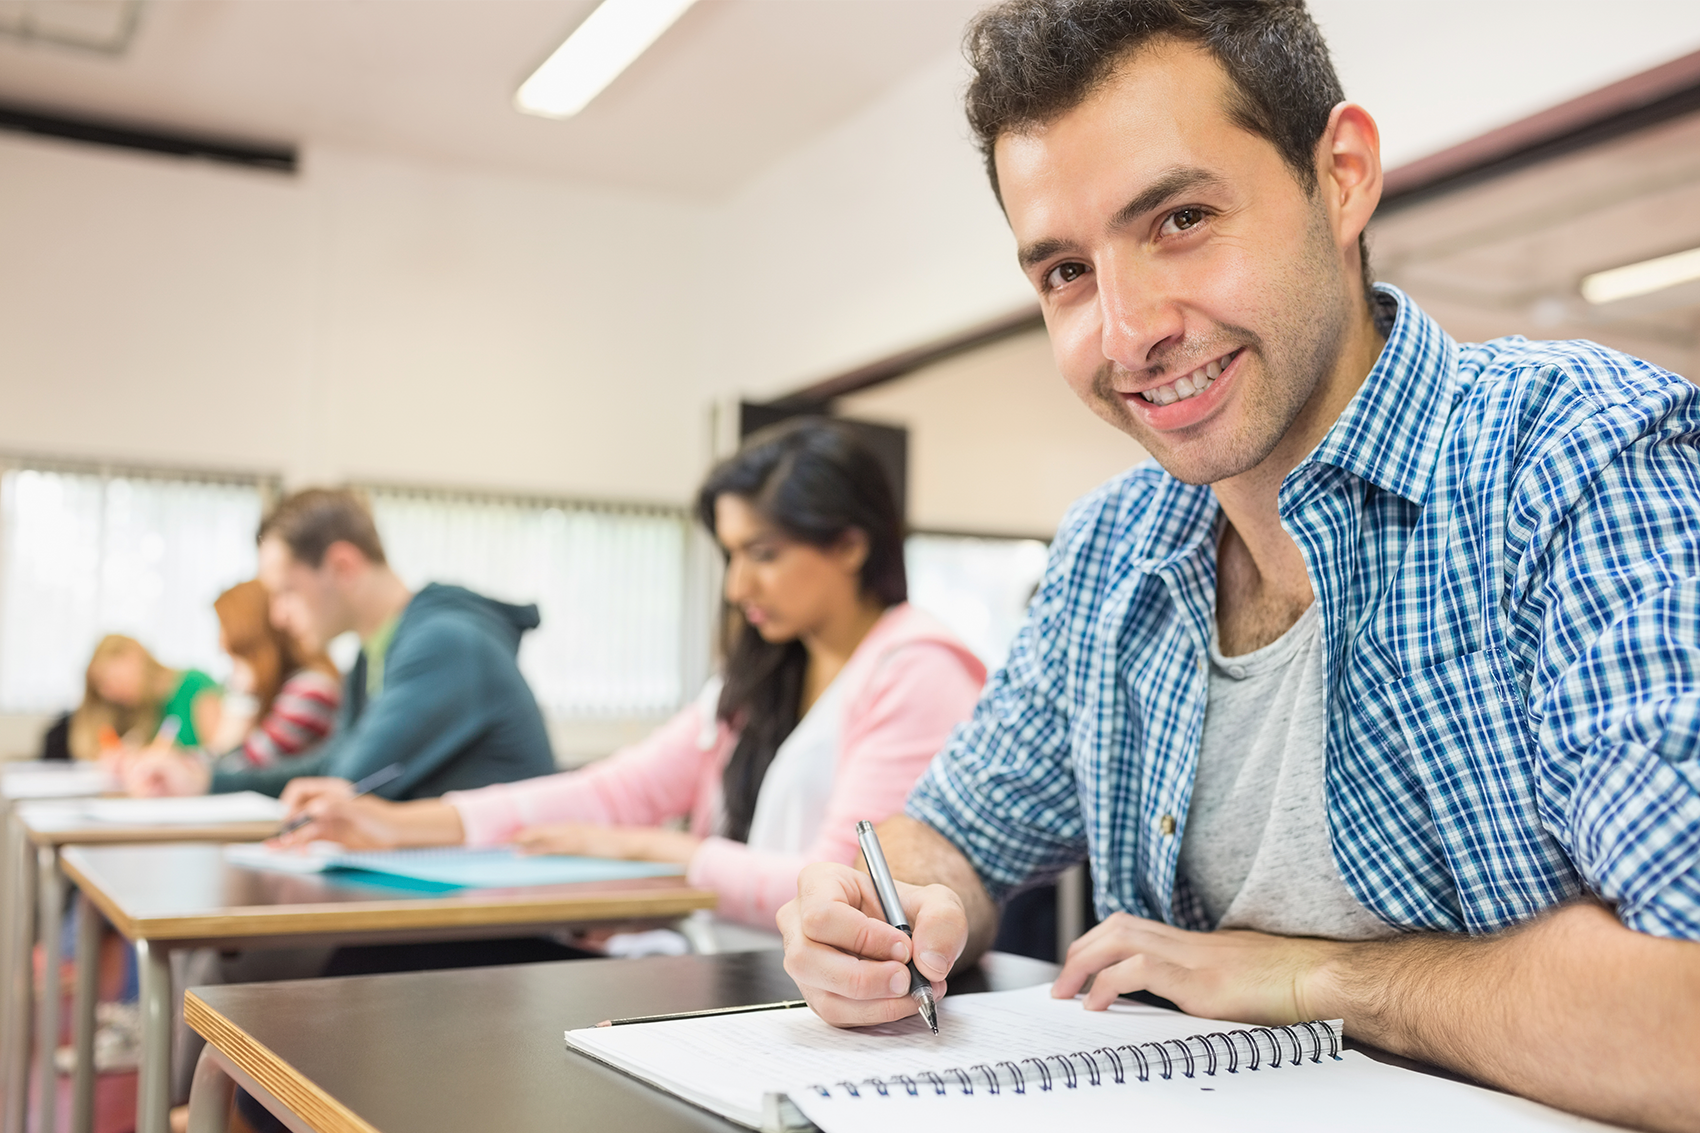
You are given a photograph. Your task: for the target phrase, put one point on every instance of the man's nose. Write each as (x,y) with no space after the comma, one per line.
(1138,311)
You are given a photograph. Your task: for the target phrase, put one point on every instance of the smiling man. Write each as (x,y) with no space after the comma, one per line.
(1376,696)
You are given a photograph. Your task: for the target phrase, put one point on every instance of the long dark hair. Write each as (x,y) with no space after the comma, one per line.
(816,482)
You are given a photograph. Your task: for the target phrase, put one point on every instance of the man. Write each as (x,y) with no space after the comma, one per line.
(435,688)
(1378,697)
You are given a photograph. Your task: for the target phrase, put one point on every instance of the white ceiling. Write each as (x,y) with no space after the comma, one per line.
(730,88)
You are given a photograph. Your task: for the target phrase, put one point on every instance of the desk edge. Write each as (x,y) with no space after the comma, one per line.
(301,1094)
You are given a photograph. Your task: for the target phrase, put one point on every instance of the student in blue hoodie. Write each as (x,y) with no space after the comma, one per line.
(436,687)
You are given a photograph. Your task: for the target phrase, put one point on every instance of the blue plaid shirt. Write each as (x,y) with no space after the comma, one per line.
(1504,540)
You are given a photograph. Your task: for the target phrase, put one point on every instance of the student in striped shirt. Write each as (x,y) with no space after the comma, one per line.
(295,697)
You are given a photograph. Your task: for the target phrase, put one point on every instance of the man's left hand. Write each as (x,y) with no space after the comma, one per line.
(1247,977)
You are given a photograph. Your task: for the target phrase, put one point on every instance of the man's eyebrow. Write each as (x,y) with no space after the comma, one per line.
(1182,179)
(1171,184)
(1041,250)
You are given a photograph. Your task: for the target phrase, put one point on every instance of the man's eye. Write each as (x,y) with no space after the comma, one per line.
(1064,274)
(1182,219)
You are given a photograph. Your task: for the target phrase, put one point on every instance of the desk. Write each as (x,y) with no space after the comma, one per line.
(447,1052)
(22,781)
(46,828)
(163,897)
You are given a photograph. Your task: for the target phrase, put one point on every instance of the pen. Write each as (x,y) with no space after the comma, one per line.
(371,783)
(782,1005)
(920,989)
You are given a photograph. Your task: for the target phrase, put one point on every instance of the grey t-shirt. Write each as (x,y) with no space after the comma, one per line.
(1256,850)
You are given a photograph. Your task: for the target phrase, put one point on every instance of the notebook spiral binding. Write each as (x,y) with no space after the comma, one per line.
(1254,1047)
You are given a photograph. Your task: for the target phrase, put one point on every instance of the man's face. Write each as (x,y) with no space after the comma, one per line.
(1193,289)
(306,603)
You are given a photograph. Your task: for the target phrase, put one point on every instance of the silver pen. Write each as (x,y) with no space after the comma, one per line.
(920,988)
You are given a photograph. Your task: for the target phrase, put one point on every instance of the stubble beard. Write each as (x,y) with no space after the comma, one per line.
(1279,374)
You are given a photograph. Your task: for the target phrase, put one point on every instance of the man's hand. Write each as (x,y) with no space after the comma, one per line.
(848,961)
(628,843)
(163,773)
(1248,977)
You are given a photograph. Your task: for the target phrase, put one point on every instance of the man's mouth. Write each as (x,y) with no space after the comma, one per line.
(1192,384)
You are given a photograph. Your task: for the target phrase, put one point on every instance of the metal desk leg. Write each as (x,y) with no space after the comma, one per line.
(50,888)
(210,1096)
(153,1086)
(19,978)
(89,925)
(8,917)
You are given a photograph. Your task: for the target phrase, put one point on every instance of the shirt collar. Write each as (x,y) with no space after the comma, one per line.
(1391,431)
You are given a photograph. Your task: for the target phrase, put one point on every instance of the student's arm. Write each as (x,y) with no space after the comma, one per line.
(901,719)
(206,712)
(652,781)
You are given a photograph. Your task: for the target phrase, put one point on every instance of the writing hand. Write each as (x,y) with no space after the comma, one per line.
(848,961)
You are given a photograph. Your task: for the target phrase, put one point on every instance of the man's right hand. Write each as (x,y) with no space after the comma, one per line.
(849,963)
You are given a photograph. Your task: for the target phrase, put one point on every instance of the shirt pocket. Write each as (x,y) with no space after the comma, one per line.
(1474,753)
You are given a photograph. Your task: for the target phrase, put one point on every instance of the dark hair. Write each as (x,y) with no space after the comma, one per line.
(310,520)
(816,482)
(1034,60)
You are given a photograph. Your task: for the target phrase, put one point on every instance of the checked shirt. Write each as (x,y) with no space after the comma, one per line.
(1504,540)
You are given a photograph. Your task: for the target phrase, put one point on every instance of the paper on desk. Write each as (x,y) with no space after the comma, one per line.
(199,810)
(54,781)
(497,868)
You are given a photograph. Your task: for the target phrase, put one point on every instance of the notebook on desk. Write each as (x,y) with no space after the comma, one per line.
(1022,1062)
(453,866)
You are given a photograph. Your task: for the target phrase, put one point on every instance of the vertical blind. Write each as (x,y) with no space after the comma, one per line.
(84,554)
(609,582)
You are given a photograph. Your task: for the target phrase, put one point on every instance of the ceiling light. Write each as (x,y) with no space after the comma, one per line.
(1643,278)
(594,55)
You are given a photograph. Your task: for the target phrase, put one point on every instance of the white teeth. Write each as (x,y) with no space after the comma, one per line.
(1192,385)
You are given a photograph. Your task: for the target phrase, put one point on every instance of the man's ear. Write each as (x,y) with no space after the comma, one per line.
(1348,168)
(343,561)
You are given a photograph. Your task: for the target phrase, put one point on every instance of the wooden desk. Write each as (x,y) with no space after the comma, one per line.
(175,896)
(44,828)
(448,1052)
(21,782)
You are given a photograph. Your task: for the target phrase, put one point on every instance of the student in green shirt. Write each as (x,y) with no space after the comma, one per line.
(132,700)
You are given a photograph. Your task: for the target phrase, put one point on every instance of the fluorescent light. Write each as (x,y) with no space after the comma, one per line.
(593,56)
(1643,278)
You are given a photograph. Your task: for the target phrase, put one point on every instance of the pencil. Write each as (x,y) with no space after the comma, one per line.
(782,1005)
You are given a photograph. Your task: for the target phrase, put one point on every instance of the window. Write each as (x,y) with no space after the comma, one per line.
(979,586)
(86,553)
(610,584)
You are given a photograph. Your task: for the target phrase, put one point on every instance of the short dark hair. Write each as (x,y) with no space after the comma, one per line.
(1034,60)
(310,520)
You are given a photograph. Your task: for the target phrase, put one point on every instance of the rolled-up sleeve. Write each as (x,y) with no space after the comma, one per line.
(1616,686)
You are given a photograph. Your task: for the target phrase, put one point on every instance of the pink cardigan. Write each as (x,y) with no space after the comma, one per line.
(906,686)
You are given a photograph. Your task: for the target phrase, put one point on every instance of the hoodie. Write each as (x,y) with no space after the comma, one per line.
(454,710)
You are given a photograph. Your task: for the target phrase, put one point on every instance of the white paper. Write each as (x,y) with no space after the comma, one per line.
(198,810)
(54,781)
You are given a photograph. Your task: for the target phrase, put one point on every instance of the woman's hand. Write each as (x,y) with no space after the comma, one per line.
(628,843)
(367,822)
(163,773)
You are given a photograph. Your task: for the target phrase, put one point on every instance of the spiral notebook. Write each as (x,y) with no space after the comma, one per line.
(1022,1062)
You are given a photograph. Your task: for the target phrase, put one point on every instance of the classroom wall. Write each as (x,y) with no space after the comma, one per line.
(998,444)
(368,319)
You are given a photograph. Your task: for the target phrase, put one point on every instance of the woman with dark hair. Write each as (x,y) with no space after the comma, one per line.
(835,694)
